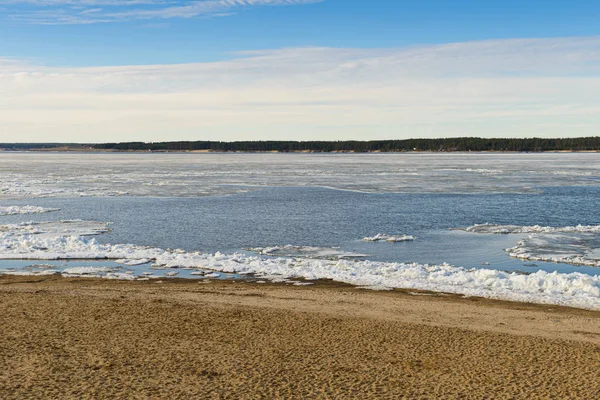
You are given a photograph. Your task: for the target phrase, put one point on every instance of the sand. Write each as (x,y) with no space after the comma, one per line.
(78,338)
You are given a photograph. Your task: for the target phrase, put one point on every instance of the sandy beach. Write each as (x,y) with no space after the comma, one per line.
(173,339)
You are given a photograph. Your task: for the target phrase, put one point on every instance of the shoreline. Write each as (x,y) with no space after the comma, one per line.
(109,151)
(72,338)
(327,283)
(317,285)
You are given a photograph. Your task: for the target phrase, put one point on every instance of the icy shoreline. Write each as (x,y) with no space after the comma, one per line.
(65,240)
(574,289)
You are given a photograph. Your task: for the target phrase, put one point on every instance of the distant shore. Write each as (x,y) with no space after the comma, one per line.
(91,150)
(459,144)
(168,338)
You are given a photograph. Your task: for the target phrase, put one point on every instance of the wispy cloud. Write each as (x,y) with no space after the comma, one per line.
(521,87)
(56,12)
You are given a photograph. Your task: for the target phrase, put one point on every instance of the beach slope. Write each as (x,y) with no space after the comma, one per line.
(173,339)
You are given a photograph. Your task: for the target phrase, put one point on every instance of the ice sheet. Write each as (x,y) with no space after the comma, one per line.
(27,175)
(381,237)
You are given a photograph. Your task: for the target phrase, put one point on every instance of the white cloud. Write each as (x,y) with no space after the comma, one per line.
(523,87)
(57,12)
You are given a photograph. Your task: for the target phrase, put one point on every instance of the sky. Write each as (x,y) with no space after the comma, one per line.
(157,70)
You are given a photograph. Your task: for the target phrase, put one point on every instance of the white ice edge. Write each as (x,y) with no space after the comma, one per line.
(132,263)
(19,210)
(75,227)
(510,229)
(306,251)
(28,273)
(88,270)
(573,289)
(381,237)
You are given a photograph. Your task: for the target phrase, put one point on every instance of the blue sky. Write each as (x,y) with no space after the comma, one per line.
(40,30)
(304,69)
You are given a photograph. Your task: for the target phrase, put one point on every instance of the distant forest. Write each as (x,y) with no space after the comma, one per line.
(37,146)
(451,144)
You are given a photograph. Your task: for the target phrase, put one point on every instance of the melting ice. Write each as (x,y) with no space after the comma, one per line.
(574,289)
(15,210)
(306,251)
(381,237)
(576,245)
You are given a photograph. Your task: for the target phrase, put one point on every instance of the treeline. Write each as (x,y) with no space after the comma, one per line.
(32,146)
(451,144)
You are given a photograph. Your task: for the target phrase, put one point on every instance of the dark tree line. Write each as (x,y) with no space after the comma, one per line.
(30,146)
(451,144)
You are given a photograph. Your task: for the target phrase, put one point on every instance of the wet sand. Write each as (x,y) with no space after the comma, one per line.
(77,338)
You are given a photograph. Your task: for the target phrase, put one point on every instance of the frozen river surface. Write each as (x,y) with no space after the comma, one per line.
(186,175)
(300,217)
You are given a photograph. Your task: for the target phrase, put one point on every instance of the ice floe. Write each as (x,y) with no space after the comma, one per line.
(16,210)
(132,263)
(88,270)
(54,229)
(510,229)
(122,276)
(380,237)
(575,245)
(306,251)
(40,266)
(569,248)
(20,272)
